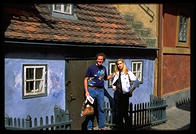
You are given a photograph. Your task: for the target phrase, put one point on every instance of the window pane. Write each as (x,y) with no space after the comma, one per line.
(139,76)
(138,67)
(29,73)
(134,66)
(135,73)
(39,85)
(113,68)
(39,73)
(182,29)
(29,86)
(67,8)
(57,7)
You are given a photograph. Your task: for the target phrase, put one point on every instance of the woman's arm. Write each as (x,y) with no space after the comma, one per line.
(134,79)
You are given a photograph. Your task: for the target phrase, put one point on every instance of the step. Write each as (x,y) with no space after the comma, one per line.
(128,17)
(150,41)
(144,32)
(137,25)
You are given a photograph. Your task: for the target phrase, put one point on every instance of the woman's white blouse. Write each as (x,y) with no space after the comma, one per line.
(126,85)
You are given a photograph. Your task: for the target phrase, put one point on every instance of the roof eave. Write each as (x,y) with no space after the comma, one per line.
(131,46)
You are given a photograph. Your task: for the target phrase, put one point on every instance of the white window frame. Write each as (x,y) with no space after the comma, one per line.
(35,92)
(111,63)
(62,9)
(137,73)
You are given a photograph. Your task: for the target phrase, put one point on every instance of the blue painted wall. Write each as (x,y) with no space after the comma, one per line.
(15,106)
(143,92)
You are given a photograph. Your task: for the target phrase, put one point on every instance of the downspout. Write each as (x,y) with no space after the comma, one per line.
(160,54)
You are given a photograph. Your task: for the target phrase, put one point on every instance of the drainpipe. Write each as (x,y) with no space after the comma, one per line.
(160,54)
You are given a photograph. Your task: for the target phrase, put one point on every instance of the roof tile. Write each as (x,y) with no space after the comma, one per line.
(95,23)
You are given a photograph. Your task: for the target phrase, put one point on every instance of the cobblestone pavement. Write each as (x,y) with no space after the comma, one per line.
(177,119)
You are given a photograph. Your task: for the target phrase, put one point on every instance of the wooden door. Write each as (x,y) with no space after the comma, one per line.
(75,90)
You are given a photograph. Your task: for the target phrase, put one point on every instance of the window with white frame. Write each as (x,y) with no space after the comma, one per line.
(137,68)
(34,80)
(111,70)
(63,8)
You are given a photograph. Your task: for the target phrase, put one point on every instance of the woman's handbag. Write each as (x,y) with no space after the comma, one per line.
(129,94)
(87,109)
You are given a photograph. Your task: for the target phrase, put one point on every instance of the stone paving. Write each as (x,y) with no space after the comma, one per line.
(176,119)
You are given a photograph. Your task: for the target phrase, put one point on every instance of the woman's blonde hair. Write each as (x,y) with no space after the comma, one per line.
(125,69)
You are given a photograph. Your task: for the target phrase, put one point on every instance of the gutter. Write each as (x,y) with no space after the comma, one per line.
(76,45)
(160,55)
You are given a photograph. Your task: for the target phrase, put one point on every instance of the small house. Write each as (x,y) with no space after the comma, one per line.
(48,47)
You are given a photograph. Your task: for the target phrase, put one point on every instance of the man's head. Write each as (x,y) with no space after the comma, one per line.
(100,58)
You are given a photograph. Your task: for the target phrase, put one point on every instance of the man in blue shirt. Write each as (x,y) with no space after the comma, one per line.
(94,86)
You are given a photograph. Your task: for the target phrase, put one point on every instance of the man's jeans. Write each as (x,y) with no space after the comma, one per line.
(97,94)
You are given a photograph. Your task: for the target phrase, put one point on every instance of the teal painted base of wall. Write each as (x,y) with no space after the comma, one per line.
(172,99)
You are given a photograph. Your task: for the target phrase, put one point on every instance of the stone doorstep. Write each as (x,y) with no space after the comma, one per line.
(106,128)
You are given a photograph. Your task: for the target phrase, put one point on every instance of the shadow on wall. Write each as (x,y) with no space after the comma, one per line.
(184,104)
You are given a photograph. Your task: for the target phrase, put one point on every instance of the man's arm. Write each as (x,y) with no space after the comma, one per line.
(86,86)
(110,76)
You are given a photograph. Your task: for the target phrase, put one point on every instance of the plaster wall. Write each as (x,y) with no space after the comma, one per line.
(140,15)
(15,106)
(143,92)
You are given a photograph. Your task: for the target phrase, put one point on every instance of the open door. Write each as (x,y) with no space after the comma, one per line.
(76,70)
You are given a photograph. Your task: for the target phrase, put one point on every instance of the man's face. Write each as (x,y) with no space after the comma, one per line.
(99,60)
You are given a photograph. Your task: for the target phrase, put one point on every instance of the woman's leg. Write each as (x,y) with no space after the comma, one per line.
(118,109)
(125,101)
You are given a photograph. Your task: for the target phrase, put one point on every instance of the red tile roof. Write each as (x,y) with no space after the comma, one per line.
(94,23)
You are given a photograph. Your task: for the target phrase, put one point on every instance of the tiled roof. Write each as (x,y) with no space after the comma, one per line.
(94,23)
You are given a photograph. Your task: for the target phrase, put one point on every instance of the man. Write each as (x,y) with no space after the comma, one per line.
(94,86)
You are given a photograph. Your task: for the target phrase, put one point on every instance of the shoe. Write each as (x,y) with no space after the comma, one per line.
(89,128)
(101,128)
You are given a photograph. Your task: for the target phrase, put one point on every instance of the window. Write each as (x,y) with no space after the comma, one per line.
(183,31)
(63,8)
(137,67)
(111,70)
(34,81)
(64,11)
(182,35)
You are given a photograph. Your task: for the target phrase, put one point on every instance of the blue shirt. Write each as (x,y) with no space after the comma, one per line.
(96,75)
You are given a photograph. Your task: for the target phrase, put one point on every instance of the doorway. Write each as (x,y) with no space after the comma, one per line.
(76,70)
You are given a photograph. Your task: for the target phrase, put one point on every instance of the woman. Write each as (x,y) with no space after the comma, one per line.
(123,88)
